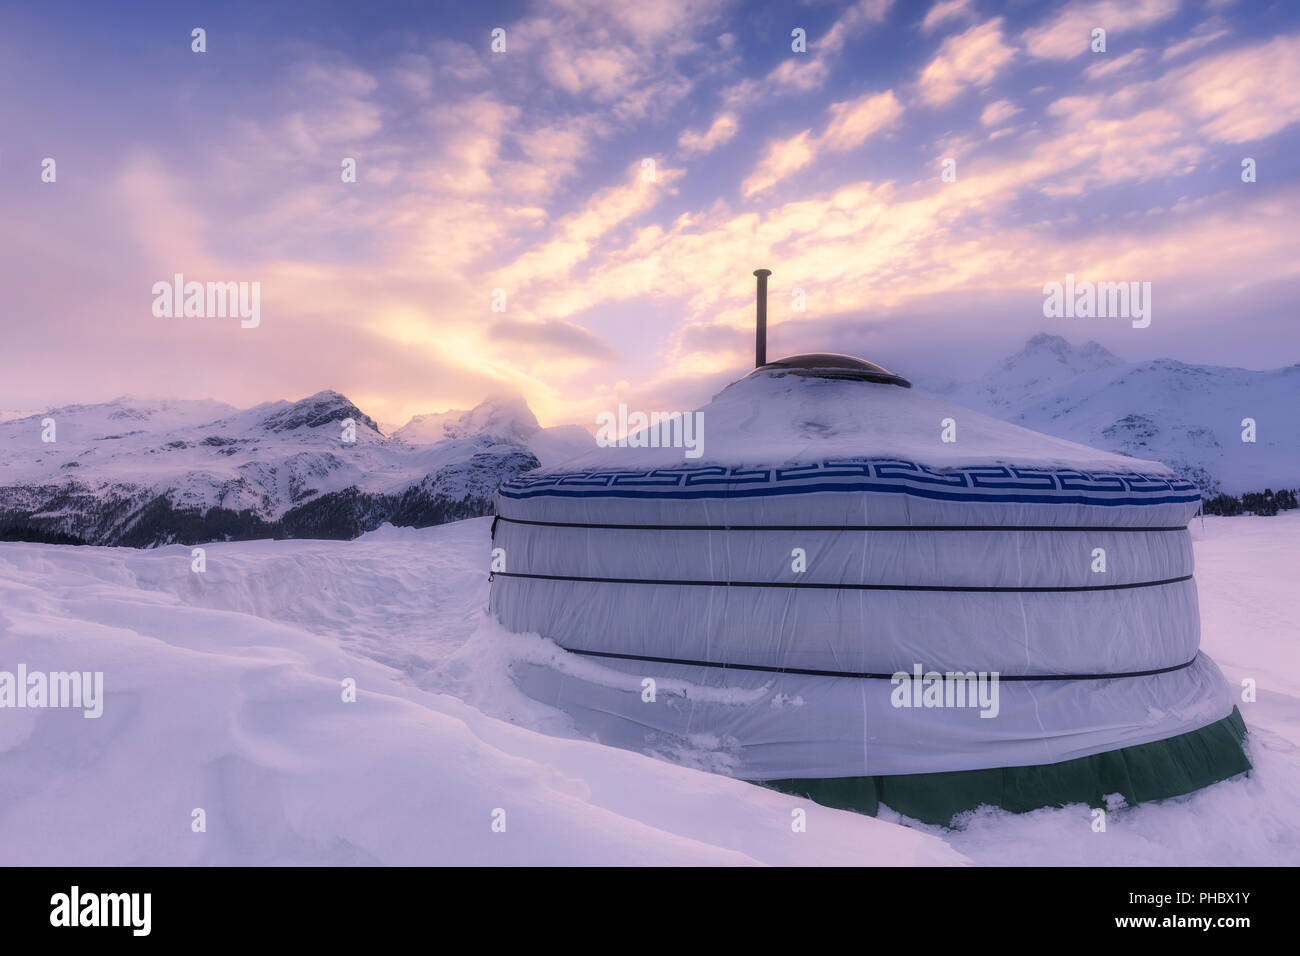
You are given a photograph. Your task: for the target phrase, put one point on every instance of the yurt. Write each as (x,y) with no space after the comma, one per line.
(831,583)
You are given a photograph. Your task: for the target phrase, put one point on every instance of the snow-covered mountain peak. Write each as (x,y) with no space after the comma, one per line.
(1191,417)
(1047,352)
(506,417)
(126,412)
(315,411)
(1045,363)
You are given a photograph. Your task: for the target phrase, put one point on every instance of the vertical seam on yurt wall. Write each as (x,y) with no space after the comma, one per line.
(862,691)
(1024,623)
(709,611)
(587,506)
(866,735)
(591,556)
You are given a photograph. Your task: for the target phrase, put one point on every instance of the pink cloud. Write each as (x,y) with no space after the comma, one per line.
(966,61)
(1067,34)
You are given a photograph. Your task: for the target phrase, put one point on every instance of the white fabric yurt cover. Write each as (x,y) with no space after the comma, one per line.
(1065,570)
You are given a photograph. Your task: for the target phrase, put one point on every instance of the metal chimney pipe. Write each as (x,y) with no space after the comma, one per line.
(760,330)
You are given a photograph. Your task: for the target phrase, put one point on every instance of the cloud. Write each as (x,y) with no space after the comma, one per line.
(851,123)
(723,128)
(858,18)
(334,78)
(603,74)
(154,204)
(1068,34)
(967,60)
(1109,65)
(800,73)
(576,235)
(339,109)
(782,158)
(1102,141)
(469,132)
(944,11)
(1192,43)
(459,62)
(995,114)
(553,338)
(805,72)
(554,150)
(620,58)
(1243,94)
(414,73)
(854,120)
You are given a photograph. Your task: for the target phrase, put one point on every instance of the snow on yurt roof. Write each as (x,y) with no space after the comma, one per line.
(780,415)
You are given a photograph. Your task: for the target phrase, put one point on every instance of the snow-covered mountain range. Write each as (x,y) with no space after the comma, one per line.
(144,473)
(1188,416)
(148,472)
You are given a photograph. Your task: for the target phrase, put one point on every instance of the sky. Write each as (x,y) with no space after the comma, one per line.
(576,218)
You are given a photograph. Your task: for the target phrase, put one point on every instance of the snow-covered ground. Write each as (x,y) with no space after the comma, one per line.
(223,691)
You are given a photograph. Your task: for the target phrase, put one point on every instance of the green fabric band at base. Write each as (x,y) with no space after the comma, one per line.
(1154,771)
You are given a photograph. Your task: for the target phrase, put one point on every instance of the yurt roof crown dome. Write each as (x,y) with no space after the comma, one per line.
(813,364)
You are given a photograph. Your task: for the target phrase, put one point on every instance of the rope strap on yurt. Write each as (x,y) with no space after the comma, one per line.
(838,527)
(827,586)
(814,672)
